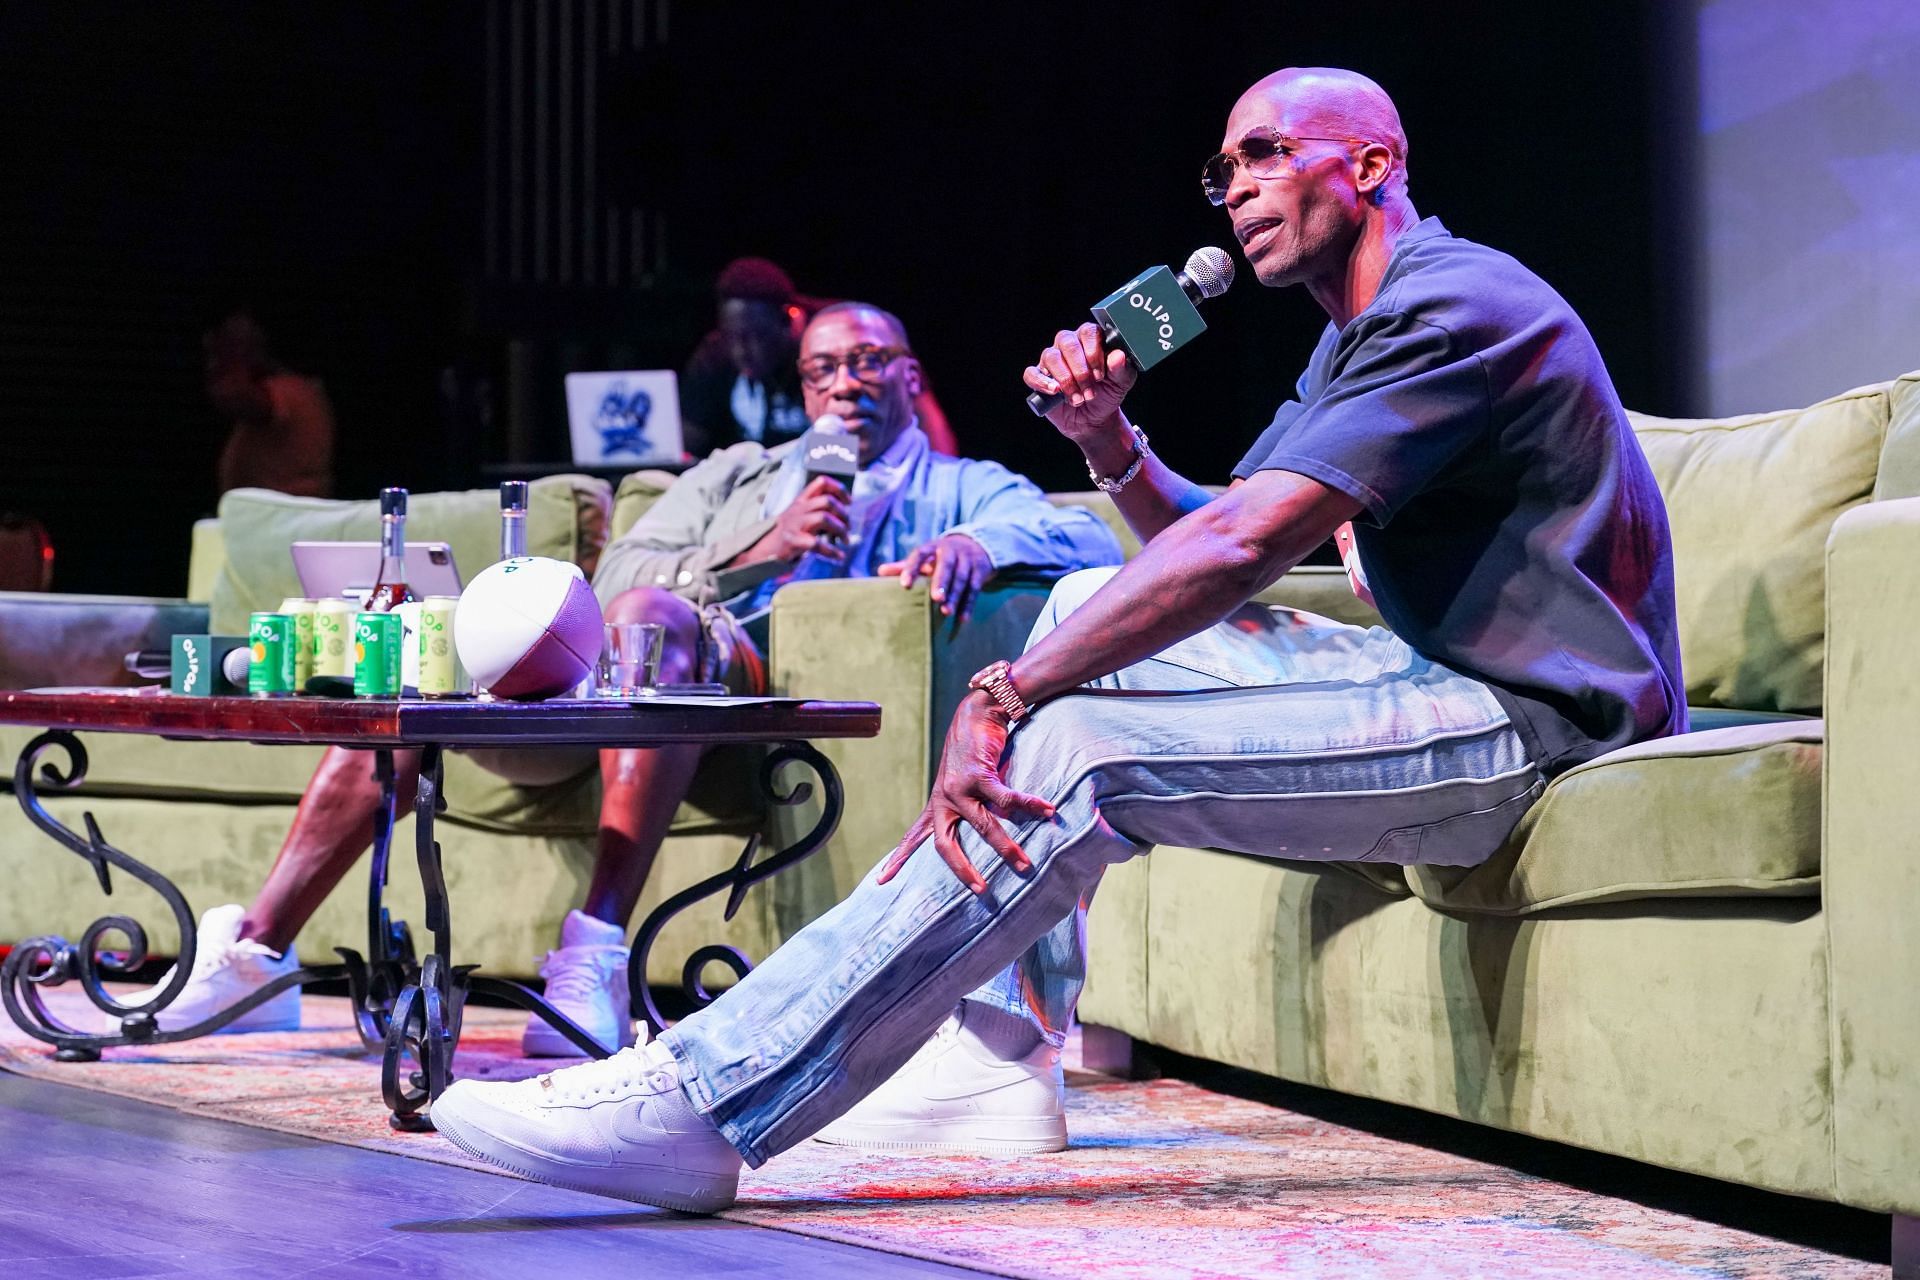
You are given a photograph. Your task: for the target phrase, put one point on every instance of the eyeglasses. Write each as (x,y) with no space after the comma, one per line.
(865,363)
(1261,151)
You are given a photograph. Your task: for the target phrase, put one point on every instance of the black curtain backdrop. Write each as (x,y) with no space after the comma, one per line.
(987,171)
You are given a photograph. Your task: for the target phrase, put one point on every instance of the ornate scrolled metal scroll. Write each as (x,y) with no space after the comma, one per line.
(744,874)
(40,963)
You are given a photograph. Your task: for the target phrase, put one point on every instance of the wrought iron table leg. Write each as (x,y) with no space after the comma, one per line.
(374,983)
(423,1024)
(424,1028)
(40,963)
(735,882)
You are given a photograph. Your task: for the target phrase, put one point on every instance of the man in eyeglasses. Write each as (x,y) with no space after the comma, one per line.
(1456,413)
(705,561)
(707,558)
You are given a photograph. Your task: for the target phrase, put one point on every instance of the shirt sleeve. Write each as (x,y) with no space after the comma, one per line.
(1012,520)
(1282,419)
(1407,399)
(1269,440)
(668,548)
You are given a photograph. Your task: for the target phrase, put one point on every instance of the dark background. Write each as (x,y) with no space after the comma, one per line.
(439,209)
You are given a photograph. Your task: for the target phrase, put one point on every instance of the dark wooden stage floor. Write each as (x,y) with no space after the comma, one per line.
(97,1186)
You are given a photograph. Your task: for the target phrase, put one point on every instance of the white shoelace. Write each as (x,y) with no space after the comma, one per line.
(944,1035)
(617,1074)
(578,979)
(210,959)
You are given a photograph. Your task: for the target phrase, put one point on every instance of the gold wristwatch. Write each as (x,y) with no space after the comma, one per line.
(996,682)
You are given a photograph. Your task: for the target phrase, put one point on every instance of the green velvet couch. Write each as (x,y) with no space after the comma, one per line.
(1692,953)
(212,815)
(1698,953)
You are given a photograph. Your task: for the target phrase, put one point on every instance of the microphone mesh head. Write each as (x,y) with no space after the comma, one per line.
(1212,270)
(831,423)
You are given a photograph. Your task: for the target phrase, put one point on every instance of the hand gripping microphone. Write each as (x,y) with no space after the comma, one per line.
(1154,314)
(831,450)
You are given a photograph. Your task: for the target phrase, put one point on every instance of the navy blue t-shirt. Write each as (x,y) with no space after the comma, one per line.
(1511,528)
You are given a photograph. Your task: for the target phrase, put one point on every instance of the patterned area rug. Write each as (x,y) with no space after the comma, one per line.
(1164,1179)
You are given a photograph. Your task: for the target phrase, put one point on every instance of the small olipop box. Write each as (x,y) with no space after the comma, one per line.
(198,662)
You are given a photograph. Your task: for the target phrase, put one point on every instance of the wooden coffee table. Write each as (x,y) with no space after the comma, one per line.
(410,1011)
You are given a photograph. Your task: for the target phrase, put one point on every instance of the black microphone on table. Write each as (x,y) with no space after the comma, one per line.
(1154,314)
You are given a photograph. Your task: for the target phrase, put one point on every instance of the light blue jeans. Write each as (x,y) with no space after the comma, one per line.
(1276,733)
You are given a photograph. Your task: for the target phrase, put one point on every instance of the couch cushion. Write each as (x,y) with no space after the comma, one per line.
(566,519)
(1751,500)
(1731,812)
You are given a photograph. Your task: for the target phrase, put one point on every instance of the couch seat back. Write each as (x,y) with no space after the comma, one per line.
(1751,500)
(566,519)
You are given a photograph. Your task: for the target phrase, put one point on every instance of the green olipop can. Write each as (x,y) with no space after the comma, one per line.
(302,611)
(439,669)
(333,638)
(270,636)
(376,655)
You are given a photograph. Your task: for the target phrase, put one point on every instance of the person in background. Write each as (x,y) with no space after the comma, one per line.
(281,423)
(741,384)
(704,561)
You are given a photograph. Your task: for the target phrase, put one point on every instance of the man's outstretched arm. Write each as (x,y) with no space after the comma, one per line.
(1200,569)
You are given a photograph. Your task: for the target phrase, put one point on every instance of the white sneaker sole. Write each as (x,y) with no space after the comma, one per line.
(265,1018)
(957,1136)
(678,1189)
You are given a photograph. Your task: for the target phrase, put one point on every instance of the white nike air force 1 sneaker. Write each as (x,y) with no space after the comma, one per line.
(618,1127)
(586,980)
(954,1098)
(226,970)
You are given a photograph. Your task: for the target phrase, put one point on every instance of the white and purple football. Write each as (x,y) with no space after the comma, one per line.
(528,628)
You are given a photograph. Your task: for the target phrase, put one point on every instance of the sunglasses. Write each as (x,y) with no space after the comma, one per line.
(1262,151)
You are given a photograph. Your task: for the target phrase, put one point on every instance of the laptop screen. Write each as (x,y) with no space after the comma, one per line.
(629,418)
(328,569)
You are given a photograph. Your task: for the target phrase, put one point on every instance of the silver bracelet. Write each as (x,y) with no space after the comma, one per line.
(1140,455)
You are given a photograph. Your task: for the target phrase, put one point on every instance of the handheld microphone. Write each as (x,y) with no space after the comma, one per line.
(1154,314)
(831,450)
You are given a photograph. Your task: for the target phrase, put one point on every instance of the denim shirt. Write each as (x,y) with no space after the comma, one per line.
(713,513)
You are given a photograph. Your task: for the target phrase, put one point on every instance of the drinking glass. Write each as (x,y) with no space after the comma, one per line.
(630,659)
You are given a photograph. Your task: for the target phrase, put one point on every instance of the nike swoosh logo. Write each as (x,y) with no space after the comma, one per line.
(629,1124)
(936,1091)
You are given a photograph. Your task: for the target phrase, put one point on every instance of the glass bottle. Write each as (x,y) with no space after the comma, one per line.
(513,519)
(390,589)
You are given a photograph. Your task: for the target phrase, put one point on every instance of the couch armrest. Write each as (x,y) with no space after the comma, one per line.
(1871,854)
(208,559)
(84,640)
(866,638)
(1322,589)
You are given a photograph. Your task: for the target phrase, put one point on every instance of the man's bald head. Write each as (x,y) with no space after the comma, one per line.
(1326,102)
(1324,192)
